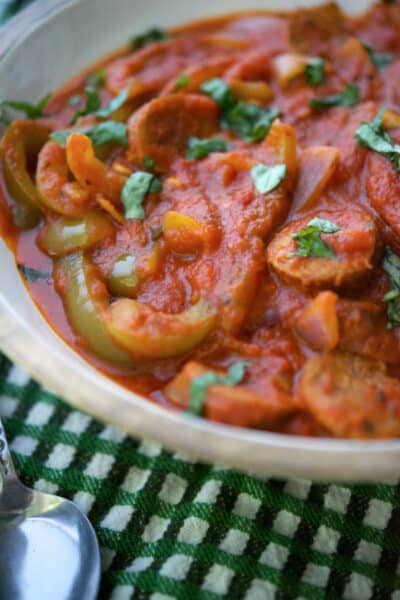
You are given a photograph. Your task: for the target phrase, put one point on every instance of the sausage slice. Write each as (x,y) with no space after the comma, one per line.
(162,127)
(351,396)
(353,246)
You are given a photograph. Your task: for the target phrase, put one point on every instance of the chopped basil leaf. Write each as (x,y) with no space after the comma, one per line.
(103,133)
(349,97)
(309,241)
(93,102)
(200,385)
(393,309)
(149,163)
(32,111)
(267,178)
(109,131)
(149,37)
(249,121)
(323,225)
(375,137)
(198,391)
(75,100)
(391,266)
(114,105)
(381,60)
(134,192)
(315,72)
(182,81)
(33,275)
(220,92)
(61,135)
(392,295)
(202,148)
(98,78)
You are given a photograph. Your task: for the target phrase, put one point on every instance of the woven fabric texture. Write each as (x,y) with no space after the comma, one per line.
(170,528)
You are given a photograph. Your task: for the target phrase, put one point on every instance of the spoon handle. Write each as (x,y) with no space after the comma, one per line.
(7,470)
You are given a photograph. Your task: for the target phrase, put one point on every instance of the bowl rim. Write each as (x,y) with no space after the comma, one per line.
(340,459)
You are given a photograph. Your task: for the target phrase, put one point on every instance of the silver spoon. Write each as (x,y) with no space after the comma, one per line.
(48,549)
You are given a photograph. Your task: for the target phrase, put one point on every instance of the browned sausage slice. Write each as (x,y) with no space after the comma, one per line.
(351,396)
(161,128)
(354,247)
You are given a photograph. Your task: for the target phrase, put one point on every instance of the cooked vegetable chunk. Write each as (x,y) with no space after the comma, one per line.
(20,147)
(57,191)
(318,325)
(317,166)
(145,333)
(89,171)
(65,235)
(85,298)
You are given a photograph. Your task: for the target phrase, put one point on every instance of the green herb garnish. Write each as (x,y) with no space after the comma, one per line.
(98,78)
(248,121)
(113,105)
(309,241)
(30,274)
(220,92)
(31,111)
(391,266)
(392,300)
(200,385)
(267,178)
(103,133)
(182,81)
(134,192)
(349,97)
(149,37)
(201,148)
(375,137)
(93,102)
(381,60)
(149,163)
(315,72)
(75,100)
(109,131)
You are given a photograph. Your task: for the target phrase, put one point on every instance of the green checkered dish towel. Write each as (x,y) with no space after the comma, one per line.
(170,528)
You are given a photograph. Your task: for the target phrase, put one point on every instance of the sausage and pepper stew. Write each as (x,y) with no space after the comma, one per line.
(211,216)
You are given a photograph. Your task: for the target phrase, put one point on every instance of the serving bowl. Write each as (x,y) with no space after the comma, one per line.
(39,50)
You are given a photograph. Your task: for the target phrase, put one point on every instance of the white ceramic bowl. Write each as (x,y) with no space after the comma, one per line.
(39,50)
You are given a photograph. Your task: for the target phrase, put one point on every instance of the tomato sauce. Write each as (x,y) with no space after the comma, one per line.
(210,217)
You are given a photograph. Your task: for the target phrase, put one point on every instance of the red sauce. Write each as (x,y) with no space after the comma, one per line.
(307,315)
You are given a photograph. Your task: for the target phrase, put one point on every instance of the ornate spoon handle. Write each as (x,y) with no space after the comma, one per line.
(7,469)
